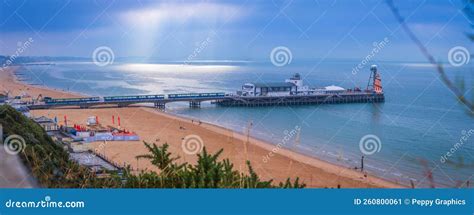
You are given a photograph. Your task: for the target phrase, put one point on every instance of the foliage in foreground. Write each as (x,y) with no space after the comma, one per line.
(49,163)
(208,172)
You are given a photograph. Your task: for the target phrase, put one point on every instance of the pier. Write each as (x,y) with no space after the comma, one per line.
(158,101)
(290,92)
(195,100)
(257,101)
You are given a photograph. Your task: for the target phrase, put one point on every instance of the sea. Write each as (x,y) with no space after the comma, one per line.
(420,136)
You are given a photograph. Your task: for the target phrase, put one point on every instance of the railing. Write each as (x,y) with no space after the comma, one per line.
(191,97)
(138,98)
(195,95)
(133,98)
(72,100)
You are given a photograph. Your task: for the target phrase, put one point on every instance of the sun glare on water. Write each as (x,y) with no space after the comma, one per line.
(176,68)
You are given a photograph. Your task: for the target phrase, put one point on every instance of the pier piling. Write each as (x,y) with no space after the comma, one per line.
(195,104)
(160,105)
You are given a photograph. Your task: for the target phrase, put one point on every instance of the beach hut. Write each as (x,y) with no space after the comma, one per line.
(46,123)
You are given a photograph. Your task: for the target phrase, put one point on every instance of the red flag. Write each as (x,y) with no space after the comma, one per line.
(118,119)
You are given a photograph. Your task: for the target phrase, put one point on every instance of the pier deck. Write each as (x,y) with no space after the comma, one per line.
(232,100)
(303,99)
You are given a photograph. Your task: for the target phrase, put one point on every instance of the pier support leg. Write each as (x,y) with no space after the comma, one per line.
(160,106)
(194,104)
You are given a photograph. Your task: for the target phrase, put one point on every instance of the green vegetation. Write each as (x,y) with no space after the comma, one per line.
(50,164)
(209,172)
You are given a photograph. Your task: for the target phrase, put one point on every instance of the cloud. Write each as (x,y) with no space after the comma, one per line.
(150,26)
(172,13)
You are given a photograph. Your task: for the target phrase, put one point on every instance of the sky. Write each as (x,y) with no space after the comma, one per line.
(231,30)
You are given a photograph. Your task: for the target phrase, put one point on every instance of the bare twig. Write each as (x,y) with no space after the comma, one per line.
(439,67)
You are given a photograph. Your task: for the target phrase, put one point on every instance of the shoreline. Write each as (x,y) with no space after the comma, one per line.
(296,156)
(284,163)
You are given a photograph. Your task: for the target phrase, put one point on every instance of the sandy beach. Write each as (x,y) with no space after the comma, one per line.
(155,126)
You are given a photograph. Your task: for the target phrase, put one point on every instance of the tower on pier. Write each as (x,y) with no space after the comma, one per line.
(375,82)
